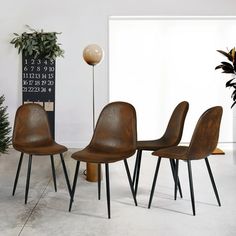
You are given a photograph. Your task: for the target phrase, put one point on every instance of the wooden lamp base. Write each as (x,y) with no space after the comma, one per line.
(92,172)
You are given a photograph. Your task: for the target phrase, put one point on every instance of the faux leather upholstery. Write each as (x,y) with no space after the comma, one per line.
(173,133)
(31,133)
(204,139)
(115,135)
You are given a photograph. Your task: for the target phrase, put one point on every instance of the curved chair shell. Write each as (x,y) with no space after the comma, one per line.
(31,135)
(114,139)
(115,135)
(203,142)
(206,134)
(171,137)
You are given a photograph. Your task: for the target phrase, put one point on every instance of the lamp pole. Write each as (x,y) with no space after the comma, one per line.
(92,55)
(93,101)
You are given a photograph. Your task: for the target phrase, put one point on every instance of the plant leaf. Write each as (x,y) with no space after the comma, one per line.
(226,54)
(229,83)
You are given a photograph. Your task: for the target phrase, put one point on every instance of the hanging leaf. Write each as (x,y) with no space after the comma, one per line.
(229,68)
(229,84)
(227,64)
(38,43)
(229,56)
(233,104)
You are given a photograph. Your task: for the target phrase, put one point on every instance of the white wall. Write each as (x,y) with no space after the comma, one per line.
(81,23)
(157,62)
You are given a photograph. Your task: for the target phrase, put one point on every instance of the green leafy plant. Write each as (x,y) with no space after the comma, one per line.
(229,68)
(5,129)
(38,44)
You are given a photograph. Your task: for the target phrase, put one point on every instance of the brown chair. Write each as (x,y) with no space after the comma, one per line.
(202,144)
(114,139)
(171,137)
(31,135)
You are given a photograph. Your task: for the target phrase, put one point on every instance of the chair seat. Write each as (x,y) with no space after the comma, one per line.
(46,149)
(152,145)
(101,156)
(176,152)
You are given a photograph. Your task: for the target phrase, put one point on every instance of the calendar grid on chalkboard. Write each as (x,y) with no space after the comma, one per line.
(38,85)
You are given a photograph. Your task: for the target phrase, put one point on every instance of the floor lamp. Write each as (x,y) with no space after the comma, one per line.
(92,55)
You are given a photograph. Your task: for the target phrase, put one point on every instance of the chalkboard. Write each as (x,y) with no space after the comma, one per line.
(38,85)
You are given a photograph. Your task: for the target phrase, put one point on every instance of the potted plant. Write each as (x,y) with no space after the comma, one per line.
(39,50)
(38,44)
(229,68)
(5,129)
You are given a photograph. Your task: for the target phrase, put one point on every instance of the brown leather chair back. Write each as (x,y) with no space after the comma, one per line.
(116,129)
(175,126)
(206,134)
(31,126)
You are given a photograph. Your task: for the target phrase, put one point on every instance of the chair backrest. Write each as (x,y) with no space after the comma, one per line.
(206,134)
(31,126)
(116,129)
(174,130)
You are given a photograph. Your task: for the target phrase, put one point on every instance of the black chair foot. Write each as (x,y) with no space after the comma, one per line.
(28,178)
(17,173)
(53,173)
(74,185)
(154,182)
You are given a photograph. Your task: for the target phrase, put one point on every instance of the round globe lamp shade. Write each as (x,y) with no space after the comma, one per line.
(93,54)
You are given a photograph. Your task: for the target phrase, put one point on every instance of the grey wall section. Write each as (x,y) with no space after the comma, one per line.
(81,23)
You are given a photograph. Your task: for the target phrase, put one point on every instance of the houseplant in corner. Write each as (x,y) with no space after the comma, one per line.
(39,50)
(5,129)
(229,68)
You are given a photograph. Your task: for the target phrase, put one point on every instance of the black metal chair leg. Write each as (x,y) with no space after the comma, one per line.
(176,178)
(53,173)
(74,185)
(136,165)
(99,181)
(191,185)
(17,173)
(130,181)
(172,164)
(28,178)
(65,172)
(108,190)
(139,155)
(212,181)
(154,182)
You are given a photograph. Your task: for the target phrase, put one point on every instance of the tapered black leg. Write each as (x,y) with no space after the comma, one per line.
(172,164)
(65,173)
(53,172)
(108,190)
(17,174)
(130,181)
(99,181)
(28,178)
(191,185)
(176,178)
(136,165)
(139,155)
(212,181)
(74,185)
(154,182)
